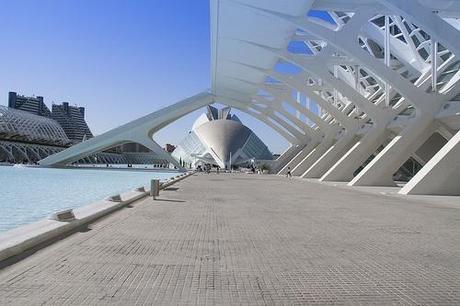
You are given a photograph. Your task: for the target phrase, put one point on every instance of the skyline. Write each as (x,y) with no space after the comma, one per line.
(128,55)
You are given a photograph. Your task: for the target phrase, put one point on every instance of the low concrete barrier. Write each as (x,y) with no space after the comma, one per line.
(16,241)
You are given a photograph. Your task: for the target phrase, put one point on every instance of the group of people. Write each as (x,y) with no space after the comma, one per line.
(207,168)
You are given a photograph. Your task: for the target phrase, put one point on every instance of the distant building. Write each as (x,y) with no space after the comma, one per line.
(29,132)
(22,126)
(25,137)
(169,148)
(129,147)
(33,105)
(219,138)
(72,120)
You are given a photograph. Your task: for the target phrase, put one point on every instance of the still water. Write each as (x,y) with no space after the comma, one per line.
(31,194)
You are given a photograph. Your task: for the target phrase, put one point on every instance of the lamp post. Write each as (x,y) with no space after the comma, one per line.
(194,157)
(230,162)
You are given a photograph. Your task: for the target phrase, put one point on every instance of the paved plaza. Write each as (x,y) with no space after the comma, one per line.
(252,239)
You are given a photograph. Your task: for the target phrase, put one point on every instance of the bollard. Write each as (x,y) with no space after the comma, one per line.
(63,216)
(154,188)
(114,198)
(140,189)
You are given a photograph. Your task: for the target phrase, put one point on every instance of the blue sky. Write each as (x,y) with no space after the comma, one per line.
(120,59)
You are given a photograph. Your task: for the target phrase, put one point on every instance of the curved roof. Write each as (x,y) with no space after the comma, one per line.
(333,53)
(202,119)
(23,126)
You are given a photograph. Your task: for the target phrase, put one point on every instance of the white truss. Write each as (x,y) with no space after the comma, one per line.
(382,76)
(19,125)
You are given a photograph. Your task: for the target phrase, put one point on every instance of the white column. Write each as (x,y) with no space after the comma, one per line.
(307,106)
(286,156)
(434,65)
(387,56)
(379,172)
(299,157)
(441,175)
(336,93)
(331,156)
(345,167)
(356,75)
(313,156)
(299,97)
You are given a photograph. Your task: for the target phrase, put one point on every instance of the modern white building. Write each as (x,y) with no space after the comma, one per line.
(382,77)
(219,138)
(27,138)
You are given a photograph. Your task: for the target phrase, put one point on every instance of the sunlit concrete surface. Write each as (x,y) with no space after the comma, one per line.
(252,239)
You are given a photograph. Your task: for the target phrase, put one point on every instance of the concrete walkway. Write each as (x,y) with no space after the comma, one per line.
(248,239)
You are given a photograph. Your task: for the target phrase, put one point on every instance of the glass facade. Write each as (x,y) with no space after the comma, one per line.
(255,148)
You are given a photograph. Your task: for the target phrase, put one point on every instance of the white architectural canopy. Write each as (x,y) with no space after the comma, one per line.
(357,87)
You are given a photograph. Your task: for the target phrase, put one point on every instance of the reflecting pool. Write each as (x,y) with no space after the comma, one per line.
(28,194)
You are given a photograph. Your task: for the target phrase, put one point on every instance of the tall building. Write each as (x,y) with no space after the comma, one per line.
(72,120)
(33,105)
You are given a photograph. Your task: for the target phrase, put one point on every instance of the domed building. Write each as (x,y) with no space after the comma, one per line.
(219,138)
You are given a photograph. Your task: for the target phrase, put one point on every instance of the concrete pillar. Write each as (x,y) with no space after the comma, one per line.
(332,155)
(313,156)
(154,188)
(379,172)
(299,157)
(345,167)
(432,146)
(285,157)
(441,175)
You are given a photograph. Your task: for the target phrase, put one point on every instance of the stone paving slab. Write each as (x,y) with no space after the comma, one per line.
(252,240)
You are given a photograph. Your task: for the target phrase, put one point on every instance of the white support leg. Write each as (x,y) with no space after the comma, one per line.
(313,156)
(140,128)
(379,172)
(147,142)
(299,157)
(328,159)
(344,168)
(286,157)
(441,175)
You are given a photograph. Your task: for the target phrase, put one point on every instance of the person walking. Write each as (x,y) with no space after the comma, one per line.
(288,173)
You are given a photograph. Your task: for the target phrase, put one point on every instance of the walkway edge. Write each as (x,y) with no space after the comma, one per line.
(16,241)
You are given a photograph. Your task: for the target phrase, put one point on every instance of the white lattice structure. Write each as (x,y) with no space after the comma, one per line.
(380,76)
(19,152)
(22,126)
